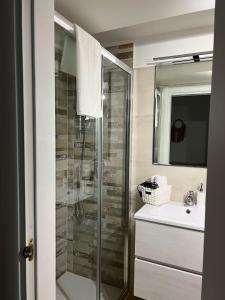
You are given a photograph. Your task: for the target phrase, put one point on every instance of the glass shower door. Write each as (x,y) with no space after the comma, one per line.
(115,208)
(76,186)
(92,174)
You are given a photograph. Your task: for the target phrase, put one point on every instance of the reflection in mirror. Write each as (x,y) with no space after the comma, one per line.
(182,102)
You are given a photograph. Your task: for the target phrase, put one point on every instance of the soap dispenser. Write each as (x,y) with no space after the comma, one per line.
(200,196)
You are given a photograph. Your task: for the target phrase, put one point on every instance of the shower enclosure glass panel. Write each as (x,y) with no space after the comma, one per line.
(114,218)
(76,190)
(92,183)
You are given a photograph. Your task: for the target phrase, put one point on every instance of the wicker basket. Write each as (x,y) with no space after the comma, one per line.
(157,196)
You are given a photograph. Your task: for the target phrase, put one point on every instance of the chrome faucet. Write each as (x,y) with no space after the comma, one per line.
(189,199)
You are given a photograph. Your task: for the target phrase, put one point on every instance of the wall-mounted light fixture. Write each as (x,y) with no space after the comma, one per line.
(183,58)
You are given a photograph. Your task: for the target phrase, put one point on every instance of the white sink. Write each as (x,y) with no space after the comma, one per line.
(174,213)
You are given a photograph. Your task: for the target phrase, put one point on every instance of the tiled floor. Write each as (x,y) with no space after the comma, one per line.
(74,287)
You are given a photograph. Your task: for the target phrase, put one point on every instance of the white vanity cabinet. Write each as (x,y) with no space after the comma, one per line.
(168,253)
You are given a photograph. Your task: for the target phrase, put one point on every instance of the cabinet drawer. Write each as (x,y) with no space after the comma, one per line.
(170,245)
(156,282)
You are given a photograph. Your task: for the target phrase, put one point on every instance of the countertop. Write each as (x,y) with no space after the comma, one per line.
(175,214)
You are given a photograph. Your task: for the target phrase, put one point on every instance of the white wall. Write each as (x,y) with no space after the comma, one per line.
(182,179)
(146,50)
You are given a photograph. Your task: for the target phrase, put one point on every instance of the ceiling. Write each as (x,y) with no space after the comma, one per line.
(188,24)
(111,20)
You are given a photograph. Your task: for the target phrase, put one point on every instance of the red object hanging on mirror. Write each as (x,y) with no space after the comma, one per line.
(178,131)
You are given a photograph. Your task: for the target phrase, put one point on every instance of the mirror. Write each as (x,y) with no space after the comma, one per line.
(182,103)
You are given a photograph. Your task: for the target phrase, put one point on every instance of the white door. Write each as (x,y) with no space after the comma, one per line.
(39,124)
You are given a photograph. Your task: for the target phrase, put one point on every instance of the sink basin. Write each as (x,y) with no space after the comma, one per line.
(175,214)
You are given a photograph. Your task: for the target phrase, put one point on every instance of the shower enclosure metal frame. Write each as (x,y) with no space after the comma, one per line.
(69,27)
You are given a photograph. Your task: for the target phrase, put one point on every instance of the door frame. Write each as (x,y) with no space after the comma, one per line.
(28,141)
(214,259)
(12,204)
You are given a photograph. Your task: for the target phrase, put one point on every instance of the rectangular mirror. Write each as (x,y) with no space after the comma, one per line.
(182,103)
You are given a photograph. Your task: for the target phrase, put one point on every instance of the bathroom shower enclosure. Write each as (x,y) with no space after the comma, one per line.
(92,183)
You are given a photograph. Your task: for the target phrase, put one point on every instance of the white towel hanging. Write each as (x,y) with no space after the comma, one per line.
(88,74)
